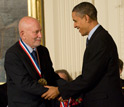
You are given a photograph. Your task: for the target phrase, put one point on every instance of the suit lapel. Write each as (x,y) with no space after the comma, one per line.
(91,40)
(95,34)
(27,62)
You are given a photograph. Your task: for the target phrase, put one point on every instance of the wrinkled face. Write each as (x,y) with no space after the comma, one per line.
(80,23)
(32,34)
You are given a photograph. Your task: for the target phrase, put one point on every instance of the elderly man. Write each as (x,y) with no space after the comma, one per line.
(28,67)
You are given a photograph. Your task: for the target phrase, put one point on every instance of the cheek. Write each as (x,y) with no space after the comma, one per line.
(81,25)
(82,28)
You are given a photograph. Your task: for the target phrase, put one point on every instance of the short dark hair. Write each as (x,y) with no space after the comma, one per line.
(86,8)
(120,64)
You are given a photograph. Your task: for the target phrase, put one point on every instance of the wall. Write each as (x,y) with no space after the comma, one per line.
(10,13)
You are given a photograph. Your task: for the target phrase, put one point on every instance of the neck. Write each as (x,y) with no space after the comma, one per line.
(92,25)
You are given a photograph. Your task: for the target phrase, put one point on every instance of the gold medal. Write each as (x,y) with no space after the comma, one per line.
(42,81)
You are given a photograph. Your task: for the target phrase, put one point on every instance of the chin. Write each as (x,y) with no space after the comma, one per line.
(82,35)
(37,45)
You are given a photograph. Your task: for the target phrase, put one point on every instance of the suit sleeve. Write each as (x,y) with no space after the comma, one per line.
(19,77)
(95,63)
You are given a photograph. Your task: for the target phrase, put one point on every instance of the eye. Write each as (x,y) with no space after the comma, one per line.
(37,32)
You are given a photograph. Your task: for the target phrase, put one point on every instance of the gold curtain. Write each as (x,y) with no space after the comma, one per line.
(36,10)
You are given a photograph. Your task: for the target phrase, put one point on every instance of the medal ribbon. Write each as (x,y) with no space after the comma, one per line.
(30,56)
(62,103)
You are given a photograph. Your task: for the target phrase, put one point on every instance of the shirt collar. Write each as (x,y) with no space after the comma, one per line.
(92,31)
(29,48)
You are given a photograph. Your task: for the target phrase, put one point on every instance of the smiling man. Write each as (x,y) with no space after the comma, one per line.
(28,67)
(99,81)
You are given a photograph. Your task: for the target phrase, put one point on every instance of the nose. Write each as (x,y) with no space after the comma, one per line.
(40,34)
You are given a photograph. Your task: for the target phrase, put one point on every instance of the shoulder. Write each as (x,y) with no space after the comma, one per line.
(42,48)
(13,48)
(102,37)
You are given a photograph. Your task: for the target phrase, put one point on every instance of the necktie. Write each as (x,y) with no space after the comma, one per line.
(34,54)
(87,42)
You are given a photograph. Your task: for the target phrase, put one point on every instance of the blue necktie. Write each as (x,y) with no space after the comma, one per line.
(34,54)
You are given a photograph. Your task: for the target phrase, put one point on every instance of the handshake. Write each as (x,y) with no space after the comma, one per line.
(52,93)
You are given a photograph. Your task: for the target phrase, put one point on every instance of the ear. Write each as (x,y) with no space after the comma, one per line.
(22,35)
(88,19)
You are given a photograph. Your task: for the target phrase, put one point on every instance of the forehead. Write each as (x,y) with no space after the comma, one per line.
(75,16)
(33,26)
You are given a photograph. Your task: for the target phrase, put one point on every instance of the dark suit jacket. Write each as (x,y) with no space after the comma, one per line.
(100,81)
(23,88)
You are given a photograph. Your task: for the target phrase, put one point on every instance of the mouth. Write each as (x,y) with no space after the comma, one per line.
(38,39)
(78,29)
